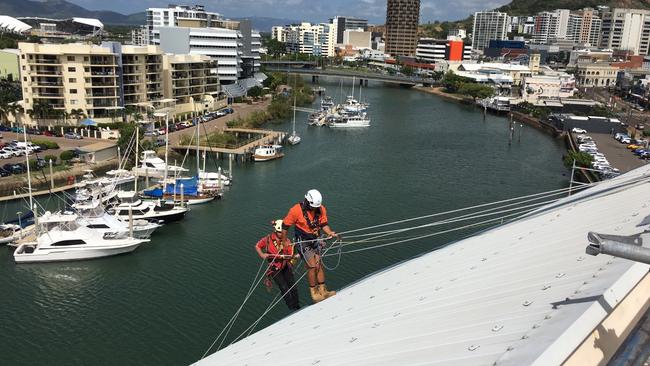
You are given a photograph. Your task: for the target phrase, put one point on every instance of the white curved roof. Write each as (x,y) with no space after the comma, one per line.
(10,24)
(89,21)
(520,294)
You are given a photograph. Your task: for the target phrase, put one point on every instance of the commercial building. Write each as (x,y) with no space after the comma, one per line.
(488,25)
(598,74)
(9,64)
(102,80)
(494,72)
(402,20)
(537,87)
(342,23)
(506,49)
(626,29)
(450,49)
(357,38)
(193,30)
(12,25)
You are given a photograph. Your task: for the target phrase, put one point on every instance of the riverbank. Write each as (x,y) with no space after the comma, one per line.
(441,93)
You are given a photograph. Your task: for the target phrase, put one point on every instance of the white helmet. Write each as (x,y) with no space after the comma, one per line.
(277,225)
(314,198)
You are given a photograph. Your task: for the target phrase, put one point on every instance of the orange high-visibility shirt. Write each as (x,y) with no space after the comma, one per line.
(296,218)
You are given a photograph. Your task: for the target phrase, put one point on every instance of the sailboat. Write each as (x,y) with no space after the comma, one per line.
(294,139)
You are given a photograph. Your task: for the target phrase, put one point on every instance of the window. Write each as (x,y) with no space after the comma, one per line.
(73,91)
(85,58)
(98,226)
(72,80)
(22,56)
(86,69)
(63,243)
(25,78)
(73,102)
(23,67)
(70,58)
(72,69)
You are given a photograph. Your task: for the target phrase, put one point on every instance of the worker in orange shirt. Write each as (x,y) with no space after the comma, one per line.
(309,219)
(279,254)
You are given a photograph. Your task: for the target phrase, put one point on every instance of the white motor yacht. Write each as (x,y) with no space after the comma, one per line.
(117,177)
(93,216)
(211,180)
(153,166)
(268,152)
(155,211)
(351,105)
(351,121)
(61,238)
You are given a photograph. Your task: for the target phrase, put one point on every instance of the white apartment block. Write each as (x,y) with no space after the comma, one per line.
(278,33)
(310,39)
(102,80)
(193,30)
(626,29)
(488,25)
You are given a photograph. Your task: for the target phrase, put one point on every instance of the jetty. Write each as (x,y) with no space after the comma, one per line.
(244,150)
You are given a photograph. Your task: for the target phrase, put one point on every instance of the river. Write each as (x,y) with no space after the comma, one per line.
(166,302)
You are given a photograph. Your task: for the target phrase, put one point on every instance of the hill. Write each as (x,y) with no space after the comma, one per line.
(64,9)
(530,7)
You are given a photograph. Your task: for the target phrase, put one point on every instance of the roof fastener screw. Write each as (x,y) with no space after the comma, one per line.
(473,347)
(353,339)
(546,287)
(497,328)
(510,348)
(527,303)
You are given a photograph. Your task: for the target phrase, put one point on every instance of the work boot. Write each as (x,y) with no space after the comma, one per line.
(316,296)
(324,292)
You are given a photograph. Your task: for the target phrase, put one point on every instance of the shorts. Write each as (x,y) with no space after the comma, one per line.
(309,249)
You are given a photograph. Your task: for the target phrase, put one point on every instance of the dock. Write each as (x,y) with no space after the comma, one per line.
(244,151)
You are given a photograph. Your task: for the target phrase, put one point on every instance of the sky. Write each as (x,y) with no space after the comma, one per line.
(306,10)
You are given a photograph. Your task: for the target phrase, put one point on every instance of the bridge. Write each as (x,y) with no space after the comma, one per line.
(292,64)
(362,76)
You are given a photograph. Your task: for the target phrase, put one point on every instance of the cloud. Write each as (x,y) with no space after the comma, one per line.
(308,10)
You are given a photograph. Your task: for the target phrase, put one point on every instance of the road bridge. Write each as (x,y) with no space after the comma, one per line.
(363,77)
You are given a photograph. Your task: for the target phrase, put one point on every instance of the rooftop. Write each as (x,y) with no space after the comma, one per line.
(521,293)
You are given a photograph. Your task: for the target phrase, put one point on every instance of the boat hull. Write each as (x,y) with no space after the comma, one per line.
(70,254)
(267,158)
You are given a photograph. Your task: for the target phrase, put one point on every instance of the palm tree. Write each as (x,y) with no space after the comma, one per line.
(77,114)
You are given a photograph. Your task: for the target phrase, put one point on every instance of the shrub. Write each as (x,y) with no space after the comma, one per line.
(46,144)
(47,158)
(582,159)
(67,155)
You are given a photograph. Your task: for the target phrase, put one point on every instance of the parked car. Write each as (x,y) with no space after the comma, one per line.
(13,151)
(15,168)
(639,126)
(625,140)
(162,131)
(4,172)
(4,128)
(5,154)
(73,135)
(228,110)
(578,130)
(34,131)
(634,147)
(151,133)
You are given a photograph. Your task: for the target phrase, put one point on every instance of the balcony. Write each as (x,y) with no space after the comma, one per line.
(103,73)
(101,95)
(102,85)
(47,95)
(46,72)
(48,83)
(46,61)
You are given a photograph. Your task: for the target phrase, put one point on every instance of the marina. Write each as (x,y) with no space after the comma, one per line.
(194,273)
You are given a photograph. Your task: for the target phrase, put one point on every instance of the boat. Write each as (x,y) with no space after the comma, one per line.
(351,121)
(267,152)
(495,104)
(118,177)
(351,105)
(294,139)
(9,233)
(61,238)
(132,206)
(213,180)
(326,103)
(153,166)
(93,216)
(186,190)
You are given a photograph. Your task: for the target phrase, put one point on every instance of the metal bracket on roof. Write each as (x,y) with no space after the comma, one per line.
(627,247)
(473,347)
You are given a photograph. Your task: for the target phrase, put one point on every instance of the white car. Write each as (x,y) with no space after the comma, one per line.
(578,130)
(5,155)
(625,140)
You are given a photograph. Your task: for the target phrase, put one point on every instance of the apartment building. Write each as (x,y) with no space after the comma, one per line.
(488,25)
(70,76)
(308,38)
(402,20)
(626,29)
(102,80)
(190,79)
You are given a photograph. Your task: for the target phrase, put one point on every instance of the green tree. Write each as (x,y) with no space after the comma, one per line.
(274,47)
(582,159)
(66,156)
(453,82)
(407,70)
(476,90)
(255,92)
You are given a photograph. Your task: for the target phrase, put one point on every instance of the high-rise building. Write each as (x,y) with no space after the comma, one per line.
(626,29)
(584,27)
(102,80)
(340,24)
(488,25)
(402,20)
(193,30)
(310,39)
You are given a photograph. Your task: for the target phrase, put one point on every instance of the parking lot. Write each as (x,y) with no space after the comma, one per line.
(617,154)
(64,144)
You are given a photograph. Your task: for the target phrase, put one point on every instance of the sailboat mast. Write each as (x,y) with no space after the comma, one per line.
(198,135)
(353,80)
(166,148)
(137,148)
(294,114)
(29,176)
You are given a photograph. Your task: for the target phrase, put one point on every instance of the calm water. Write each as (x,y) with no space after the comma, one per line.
(165,303)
